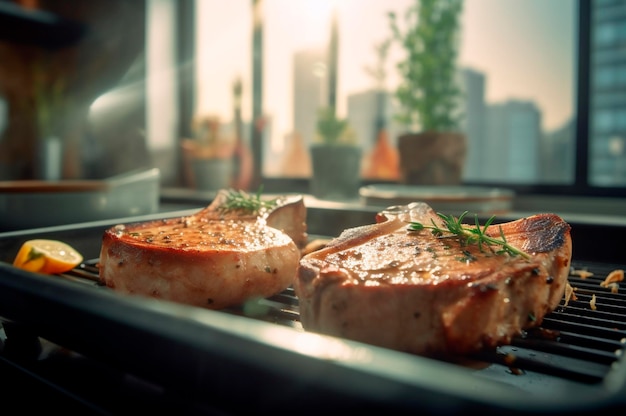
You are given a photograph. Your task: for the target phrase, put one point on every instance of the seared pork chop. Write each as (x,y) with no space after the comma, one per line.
(427,294)
(214,259)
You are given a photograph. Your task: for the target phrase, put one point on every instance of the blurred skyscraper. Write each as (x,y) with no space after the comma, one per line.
(473,123)
(607,122)
(309,90)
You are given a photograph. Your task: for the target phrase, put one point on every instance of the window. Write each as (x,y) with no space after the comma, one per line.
(527,67)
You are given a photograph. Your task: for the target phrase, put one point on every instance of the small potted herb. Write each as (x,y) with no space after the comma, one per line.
(432,149)
(335,158)
(208,155)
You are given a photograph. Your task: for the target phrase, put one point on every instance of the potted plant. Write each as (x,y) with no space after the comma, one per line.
(208,156)
(432,151)
(335,158)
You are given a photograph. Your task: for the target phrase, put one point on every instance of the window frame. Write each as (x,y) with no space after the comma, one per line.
(579,187)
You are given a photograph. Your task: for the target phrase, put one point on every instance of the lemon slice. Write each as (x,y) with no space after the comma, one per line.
(47,256)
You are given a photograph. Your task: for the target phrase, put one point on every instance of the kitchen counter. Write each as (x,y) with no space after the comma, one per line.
(598,224)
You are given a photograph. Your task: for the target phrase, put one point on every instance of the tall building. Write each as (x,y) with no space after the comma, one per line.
(511,151)
(473,122)
(558,155)
(607,122)
(309,91)
(363,116)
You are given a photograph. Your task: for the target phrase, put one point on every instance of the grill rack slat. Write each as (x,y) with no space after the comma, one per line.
(590,341)
(574,342)
(588,287)
(598,319)
(605,300)
(603,308)
(520,360)
(566,350)
(553,322)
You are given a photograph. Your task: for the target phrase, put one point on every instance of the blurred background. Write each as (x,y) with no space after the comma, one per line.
(115,85)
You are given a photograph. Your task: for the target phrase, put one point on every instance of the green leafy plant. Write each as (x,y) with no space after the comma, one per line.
(428,94)
(469,235)
(244,202)
(331,129)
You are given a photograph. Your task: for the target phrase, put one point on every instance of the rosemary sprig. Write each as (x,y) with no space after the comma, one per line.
(238,200)
(469,235)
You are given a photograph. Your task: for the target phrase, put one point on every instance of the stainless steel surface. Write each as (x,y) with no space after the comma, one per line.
(30,204)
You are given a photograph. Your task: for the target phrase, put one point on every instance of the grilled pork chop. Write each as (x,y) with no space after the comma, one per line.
(214,259)
(416,292)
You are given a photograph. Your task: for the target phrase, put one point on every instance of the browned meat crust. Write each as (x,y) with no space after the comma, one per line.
(415,292)
(209,259)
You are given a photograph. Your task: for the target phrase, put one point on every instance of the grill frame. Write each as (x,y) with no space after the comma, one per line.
(177,348)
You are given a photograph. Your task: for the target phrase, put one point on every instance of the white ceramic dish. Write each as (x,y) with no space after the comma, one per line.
(33,203)
(447,199)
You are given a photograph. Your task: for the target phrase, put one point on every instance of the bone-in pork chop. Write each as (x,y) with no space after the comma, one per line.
(433,294)
(214,259)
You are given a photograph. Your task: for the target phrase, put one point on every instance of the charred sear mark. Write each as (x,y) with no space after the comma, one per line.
(547,234)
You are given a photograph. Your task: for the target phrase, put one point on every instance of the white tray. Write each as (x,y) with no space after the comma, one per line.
(446,199)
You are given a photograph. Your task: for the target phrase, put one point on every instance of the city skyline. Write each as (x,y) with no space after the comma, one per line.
(538,68)
(505,139)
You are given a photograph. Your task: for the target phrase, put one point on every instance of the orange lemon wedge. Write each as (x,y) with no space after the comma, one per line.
(47,256)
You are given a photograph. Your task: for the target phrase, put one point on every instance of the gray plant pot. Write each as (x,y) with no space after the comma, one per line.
(336,171)
(212,174)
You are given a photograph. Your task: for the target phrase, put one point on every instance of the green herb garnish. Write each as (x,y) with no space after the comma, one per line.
(241,201)
(469,235)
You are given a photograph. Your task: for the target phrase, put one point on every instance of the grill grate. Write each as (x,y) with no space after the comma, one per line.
(575,342)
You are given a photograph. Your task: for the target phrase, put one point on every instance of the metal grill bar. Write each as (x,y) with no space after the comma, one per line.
(590,342)
(574,342)
(520,360)
(567,350)
(554,322)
